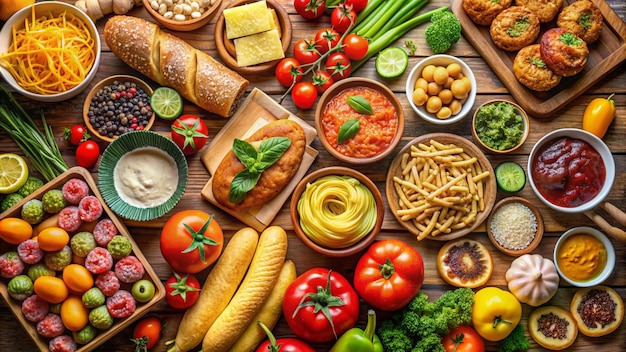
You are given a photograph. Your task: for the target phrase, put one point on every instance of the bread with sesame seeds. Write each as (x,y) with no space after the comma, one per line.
(172,62)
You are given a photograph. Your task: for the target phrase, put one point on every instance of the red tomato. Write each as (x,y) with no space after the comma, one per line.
(317,298)
(305,51)
(282,345)
(326,39)
(357,5)
(389,274)
(75,135)
(322,81)
(87,154)
(147,333)
(304,95)
(339,66)
(189,133)
(288,69)
(310,9)
(342,18)
(182,292)
(355,46)
(463,339)
(191,240)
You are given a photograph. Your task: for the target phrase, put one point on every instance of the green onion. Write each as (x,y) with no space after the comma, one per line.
(372,5)
(404,14)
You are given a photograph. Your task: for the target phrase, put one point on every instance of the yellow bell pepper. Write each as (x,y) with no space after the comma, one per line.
(495,313)
(598,115)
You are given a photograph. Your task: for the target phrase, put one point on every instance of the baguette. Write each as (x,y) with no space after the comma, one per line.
(172,62)
(270,311)
(254,290)
(218,289)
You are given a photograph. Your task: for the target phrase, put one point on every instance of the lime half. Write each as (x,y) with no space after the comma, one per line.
(166,103)
(13,172)
(510,176)
(392,62)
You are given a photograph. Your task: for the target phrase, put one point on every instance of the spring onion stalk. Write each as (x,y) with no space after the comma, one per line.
(39,147)
(394,34)
(330,3)
(390,8)
(371,6)
(362,23)
(404,14)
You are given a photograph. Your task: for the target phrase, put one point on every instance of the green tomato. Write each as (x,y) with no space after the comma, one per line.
(143,290)
(93,298)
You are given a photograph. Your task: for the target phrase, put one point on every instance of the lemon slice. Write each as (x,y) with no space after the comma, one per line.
(392,62)
(166,103)
(13,172)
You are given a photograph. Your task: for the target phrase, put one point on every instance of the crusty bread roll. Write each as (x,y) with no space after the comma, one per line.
(171,62)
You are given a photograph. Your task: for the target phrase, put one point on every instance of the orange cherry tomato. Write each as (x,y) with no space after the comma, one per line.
(77,278)
(53,239)
(15,230)
(51,289)
(74,314)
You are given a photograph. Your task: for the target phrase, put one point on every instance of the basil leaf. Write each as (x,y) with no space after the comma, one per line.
(243,182)
(270,150)
(348,130)
(360,105)
(245,152)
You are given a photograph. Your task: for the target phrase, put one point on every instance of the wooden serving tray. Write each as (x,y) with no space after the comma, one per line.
(150,274)
(605,55)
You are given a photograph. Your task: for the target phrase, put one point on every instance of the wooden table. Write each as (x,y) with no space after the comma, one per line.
(13,338)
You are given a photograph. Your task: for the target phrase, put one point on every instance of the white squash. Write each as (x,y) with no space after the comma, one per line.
(533,279)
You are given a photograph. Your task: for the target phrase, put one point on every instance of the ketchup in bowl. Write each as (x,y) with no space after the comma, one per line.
(568,172)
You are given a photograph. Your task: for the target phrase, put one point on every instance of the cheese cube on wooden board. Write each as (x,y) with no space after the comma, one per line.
(258,48)
(248,19)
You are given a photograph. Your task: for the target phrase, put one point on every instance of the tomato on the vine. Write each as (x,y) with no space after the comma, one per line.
(304,95)
(305,51)
(182,292)
(147,333)
(191,240)
(463,339)
(355,47)
(357,5)
(322,81)
(189,133)
(76,134)
(288,69)
(338,65)
(342,18)
(326,39)
(87,154)
(310,9)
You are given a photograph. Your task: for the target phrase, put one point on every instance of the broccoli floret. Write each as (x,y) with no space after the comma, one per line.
(431,343)
(393,338)
(10,200)
(515,342)
(53,201)
(31,185)
(443,31)
(32,211)
(456,307)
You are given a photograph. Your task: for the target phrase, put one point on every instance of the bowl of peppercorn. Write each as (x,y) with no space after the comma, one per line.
(116,105)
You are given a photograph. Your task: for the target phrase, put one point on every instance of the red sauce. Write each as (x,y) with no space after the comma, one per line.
(376,131)
(568,172)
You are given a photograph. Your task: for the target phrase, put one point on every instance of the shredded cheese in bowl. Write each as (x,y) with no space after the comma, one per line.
(514,226)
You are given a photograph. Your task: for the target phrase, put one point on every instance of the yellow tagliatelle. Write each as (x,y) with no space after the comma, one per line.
(336,211)
(51,54)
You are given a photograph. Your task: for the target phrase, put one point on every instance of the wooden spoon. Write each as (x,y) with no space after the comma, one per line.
(617,214)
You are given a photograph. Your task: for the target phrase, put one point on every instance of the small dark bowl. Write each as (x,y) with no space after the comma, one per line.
(538,234)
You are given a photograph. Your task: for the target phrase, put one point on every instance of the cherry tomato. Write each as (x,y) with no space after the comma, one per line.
(342,18)
(288,69)
(191,240)
(15,230)
(51,289)
(310,9)
(182,292)
(305,51)
(53,239)
(76,135)
(463,339)
(87,154)
(74,314)
(338,65)
(357,5)
(355,46)
(322,81)
(189,133)
(304,95)
(147,333)
(326,39)
(77,278)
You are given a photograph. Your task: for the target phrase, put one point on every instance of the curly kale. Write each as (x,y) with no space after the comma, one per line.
(443,31)
(515,342)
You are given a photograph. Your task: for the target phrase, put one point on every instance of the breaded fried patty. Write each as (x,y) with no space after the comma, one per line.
(532,72)
(546,10)
(514,28)
(583,18)
(482,12)
(563,51)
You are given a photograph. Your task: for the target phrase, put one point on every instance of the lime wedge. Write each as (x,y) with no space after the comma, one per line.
(510,176)
(166,103)
(392,62)
(13,172)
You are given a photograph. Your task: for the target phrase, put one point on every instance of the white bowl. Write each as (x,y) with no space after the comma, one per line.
(610,256)
(45,8)
(597,144)
(440,60)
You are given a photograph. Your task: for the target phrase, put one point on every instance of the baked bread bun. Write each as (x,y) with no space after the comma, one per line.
(172,62)
(274,178)
(532,72)
(482,12)
(546,10)
(563,51)
(582,18)
(514,28)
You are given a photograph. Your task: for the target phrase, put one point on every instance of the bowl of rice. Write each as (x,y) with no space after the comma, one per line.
(515,226)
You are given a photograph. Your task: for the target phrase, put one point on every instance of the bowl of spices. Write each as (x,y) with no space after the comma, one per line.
(116,105)
(515,226)
(500,126)
(584,256)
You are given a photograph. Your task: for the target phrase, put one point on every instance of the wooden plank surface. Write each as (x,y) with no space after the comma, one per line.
(64,114)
